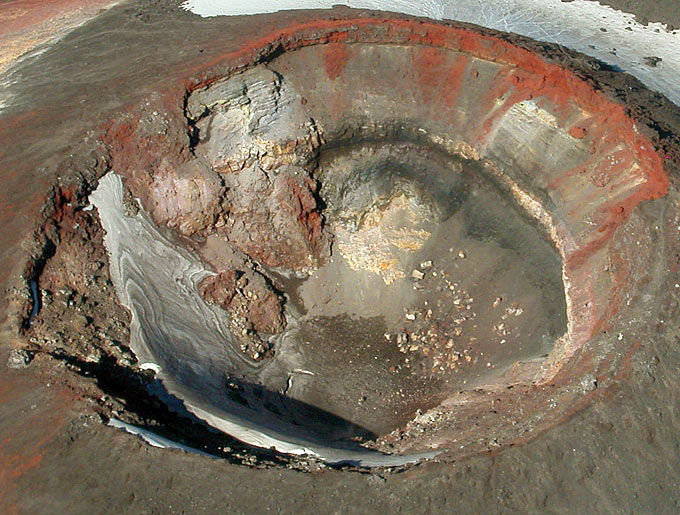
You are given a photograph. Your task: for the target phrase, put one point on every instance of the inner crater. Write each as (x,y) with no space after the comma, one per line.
(436,282)
(364,272)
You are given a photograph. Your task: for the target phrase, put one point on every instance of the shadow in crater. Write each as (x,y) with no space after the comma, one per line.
(150,406)
(309,419)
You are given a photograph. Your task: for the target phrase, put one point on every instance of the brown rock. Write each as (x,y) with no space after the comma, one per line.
(188,197)
(275,218)
(252,304)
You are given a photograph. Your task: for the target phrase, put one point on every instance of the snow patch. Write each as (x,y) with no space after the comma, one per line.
(152,438)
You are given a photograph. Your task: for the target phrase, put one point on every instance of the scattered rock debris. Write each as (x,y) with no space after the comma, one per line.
(18,358)
(255,309)
(653,61)
(435,330)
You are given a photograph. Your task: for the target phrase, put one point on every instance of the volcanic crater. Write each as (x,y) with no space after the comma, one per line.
(373,241)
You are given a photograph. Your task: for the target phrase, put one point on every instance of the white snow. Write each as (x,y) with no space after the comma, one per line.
(574,24)
(150,366)
(152,438)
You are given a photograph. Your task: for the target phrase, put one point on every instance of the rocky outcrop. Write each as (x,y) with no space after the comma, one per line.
(188,198)
(275,218)
(252,118)
(255,309)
